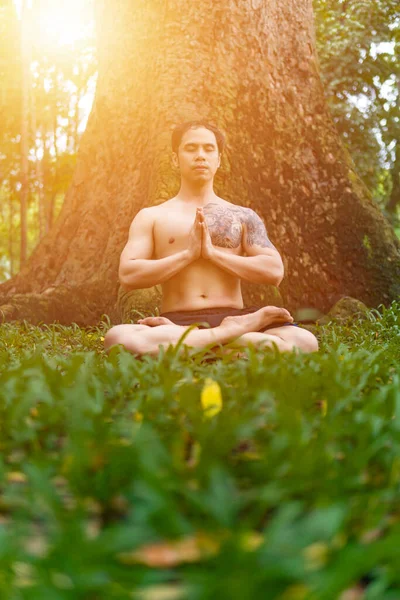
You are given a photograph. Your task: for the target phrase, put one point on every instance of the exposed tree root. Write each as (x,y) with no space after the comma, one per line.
(84,305)
(62,304)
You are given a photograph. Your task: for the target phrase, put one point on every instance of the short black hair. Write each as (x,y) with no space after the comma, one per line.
(181,129)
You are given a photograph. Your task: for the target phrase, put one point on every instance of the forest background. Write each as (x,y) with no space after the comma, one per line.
(48,71)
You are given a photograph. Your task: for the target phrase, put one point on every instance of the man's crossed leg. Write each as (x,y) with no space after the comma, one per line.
(153,332)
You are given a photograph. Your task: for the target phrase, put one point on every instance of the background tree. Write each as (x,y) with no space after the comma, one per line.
(284,158)
(10,119)
(359,50)
(354,41)
(53,126)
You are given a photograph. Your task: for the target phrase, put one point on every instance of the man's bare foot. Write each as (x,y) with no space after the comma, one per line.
(155,321)
(255,321)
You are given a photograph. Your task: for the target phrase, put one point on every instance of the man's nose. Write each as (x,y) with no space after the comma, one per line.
(200,153)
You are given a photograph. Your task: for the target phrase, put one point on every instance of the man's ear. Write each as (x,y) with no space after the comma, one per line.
(175,160)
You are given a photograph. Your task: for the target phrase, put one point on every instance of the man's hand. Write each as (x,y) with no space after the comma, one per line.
(207,248)
(195,236)
(200,244)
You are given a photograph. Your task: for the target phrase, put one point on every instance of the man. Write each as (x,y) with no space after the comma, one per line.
(194,245)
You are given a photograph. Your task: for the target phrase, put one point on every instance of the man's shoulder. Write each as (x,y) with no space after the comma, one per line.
(242,211)
(161,205)
(155,209)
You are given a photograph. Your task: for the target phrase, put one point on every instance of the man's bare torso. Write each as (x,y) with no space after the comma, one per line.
(201,284)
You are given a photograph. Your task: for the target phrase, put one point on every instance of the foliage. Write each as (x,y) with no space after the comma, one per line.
(356,70)
(358,47)
(117,481)
(58,82)
(10,71)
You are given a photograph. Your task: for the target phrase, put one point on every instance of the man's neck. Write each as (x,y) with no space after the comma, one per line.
(196,195)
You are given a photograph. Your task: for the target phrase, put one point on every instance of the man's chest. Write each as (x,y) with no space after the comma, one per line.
(172,229)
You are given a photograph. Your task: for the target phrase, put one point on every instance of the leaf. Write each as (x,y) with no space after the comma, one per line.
(16,477)
(297,591)
(251,540)
(316,555)
(249,456)
(194,455)
(24,574)
(354,593)
(324,407)
(171,591)
(172,553)
(211,398)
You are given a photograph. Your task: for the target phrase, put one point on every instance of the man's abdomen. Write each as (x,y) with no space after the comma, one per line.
(201,285)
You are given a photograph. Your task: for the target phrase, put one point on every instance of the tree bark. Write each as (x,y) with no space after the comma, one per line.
(251,68)
(38,170)
(394,199)
(76,119)
(10,232)
(26,82)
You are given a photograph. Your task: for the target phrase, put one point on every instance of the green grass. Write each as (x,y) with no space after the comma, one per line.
(290,492)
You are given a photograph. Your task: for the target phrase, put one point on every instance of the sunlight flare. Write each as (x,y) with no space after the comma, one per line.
(58,25)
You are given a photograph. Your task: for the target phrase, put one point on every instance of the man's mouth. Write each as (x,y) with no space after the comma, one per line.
(200,168)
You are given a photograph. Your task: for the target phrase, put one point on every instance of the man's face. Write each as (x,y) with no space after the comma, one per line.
(198,157)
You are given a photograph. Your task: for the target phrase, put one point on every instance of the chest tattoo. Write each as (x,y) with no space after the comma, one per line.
(256,232)
(224,225)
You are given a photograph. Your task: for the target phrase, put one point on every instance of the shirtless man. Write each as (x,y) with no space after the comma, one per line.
(198,247)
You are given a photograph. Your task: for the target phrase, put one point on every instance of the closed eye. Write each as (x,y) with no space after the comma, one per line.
(208,148)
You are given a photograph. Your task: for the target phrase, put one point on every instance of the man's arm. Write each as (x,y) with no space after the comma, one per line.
(263,263)
(137,270)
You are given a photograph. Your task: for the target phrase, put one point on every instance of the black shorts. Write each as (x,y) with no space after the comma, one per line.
(214,316)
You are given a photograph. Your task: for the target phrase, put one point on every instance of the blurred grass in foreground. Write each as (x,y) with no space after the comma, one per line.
(175,477)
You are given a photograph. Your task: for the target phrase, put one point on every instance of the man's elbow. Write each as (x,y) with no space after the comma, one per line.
(124,287)
(126,283)
(270,279)
(279,276)
(273,274)
(129,283)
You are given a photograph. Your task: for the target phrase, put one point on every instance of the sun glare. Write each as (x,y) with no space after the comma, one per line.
(59,23)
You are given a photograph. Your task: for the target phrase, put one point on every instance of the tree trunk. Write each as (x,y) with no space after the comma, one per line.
(251,68)
(48,184)
(26,82)
(38,170)
(10,232)
(394,199)
(76,119)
